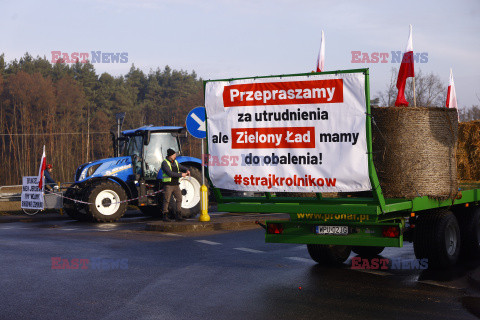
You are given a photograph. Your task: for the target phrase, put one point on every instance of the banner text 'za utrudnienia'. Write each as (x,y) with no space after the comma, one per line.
(300,133)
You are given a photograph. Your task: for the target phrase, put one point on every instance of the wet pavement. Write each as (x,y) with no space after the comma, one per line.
(215,274)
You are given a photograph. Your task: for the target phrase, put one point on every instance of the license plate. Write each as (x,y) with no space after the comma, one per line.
(336,230)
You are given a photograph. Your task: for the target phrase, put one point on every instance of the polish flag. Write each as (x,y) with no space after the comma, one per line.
(451,94)
(43,164)
(406,71)
(321,55)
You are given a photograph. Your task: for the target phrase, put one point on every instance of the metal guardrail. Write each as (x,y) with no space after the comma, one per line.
(52,199)
(7,194)
(10,195)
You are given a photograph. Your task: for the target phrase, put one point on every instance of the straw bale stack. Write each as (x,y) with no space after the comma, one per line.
(468,151)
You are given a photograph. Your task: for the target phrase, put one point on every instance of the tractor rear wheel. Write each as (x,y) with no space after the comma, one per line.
(106,201)
(190,187)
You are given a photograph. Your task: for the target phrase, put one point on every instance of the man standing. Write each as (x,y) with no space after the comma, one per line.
(171,170)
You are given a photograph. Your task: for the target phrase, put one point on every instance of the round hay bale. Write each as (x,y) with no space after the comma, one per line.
(468,151)
(414,151)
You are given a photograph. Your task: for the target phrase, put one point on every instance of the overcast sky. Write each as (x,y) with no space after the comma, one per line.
(241,38)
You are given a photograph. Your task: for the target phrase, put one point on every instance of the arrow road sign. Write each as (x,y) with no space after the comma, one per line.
(196,123)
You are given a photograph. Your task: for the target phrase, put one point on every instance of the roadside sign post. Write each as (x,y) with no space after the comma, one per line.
(32,196)
(197,127)
(120,117)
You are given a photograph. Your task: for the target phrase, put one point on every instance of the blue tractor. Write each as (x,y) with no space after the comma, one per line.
(102,187)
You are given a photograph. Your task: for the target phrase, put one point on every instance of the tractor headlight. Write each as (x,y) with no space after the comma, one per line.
(87,172)
(83,175)
(92,169)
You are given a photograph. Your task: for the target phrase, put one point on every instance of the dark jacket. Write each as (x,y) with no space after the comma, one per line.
(48,178)
(175,173)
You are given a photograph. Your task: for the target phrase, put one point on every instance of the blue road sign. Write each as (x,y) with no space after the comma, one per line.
(196,124)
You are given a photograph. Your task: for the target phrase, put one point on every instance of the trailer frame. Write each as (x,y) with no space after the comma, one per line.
(372,221)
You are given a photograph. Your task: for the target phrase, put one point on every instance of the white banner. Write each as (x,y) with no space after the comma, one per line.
(32,195)
(288,134)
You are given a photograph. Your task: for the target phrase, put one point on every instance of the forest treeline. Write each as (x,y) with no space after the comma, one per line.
(71,110)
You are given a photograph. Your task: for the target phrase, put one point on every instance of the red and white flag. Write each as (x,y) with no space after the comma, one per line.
(321,55)
(406,71)
(43,164)
(451,94)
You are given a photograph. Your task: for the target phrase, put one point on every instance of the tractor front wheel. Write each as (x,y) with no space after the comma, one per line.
(106,201)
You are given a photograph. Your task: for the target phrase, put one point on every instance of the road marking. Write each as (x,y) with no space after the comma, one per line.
(5,228)
(70,229)
(249,250)
(435,283)
(375,272)
(173,234)
(300,259)
(208,242)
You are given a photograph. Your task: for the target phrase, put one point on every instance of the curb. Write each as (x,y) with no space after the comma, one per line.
(25,218)
(200,226)
(39,217)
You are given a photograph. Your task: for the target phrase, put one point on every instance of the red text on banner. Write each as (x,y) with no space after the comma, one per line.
(283,93)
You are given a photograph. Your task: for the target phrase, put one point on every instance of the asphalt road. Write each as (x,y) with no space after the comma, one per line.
(135,274)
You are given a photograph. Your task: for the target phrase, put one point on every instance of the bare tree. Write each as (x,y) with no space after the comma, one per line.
(469,114)
(387,97)
(429,90)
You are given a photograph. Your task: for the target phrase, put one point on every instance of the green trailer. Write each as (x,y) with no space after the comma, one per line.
(331,227)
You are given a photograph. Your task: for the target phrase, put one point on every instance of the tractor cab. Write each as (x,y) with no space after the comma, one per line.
(148,148)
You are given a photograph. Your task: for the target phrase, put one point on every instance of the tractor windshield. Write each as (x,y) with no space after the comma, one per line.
(156,151)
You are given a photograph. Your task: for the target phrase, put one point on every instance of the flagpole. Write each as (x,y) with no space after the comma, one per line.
(414,98)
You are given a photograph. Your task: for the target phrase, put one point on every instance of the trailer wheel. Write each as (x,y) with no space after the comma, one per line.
(191,194)
(72,209)
(437,238)
(367,252)
(328,254)
(469,221)
(105,200)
